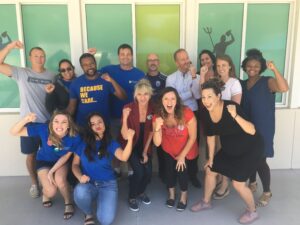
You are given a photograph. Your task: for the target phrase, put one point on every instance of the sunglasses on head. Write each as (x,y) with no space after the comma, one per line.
(64,70)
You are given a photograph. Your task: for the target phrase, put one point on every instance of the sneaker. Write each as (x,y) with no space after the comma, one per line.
(145,199)
(181,206)
(248,217)
(218,196)
(34,191)
(200,206)
(170,203)
(133,205)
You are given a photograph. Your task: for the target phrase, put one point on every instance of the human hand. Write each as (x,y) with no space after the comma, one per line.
(84,179)
(209,164)
(51,177)
(30,117)
(49,88)
(145,158)
(193,70)
(232,110)
(158,123)
(203,70)
(15,44)
(180,165)
(130,134)
(126,112)
(271,65)
(92,51)
(105,76)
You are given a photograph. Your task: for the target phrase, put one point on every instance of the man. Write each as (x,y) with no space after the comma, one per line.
(158,82)
(31,82)
(187,83)
(91,92)
(126,75)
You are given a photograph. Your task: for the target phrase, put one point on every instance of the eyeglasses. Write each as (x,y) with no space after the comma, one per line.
(152,60)
(67,69)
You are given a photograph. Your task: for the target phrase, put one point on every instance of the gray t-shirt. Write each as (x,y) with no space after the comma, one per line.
(32,93)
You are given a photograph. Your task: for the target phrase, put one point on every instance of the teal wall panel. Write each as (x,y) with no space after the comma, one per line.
(9,92)
(157,31)
(108,26)
(214,21)
(47,26)
(267,28)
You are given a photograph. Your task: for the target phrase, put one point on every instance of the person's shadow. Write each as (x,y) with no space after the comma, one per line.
(220,48)
(4,39)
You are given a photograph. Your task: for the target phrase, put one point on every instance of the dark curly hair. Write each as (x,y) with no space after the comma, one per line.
(255,54)
(215,83)
(90,138)
(211,56)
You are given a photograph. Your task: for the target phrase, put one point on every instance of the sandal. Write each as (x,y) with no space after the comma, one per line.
(47,203)
(219,196)
(89,221)
(253,186)
(69,211)
(264,199)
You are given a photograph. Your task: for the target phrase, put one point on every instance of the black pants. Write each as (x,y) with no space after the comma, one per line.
(172,174)
(192,166)
(264,175)
(141,175)
(161,155)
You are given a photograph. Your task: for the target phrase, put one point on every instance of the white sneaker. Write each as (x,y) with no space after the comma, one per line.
(34,191)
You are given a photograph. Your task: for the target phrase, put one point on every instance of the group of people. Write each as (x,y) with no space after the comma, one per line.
(66,123)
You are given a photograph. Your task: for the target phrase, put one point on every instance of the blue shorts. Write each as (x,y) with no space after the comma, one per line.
(43,164)
(30,145)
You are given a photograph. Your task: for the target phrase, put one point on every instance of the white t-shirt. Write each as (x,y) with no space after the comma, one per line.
(232,87)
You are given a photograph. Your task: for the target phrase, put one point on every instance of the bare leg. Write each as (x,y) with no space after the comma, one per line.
(49,190)
(171,193)
(62,183)
(30,164)
(210,184)
(245,193)
(183,197)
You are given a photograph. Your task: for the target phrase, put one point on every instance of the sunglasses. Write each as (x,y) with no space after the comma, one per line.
(67,69)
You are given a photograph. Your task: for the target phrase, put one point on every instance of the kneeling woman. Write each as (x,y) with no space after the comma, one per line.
(92,167)
(58,140)
(175,128)
(241,152)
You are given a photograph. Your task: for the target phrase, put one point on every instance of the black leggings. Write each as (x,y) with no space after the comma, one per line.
(172,173)
(264,175)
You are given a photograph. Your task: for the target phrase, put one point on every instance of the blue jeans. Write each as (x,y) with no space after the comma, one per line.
(106,195)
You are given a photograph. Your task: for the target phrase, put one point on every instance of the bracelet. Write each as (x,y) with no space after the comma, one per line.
(157,130)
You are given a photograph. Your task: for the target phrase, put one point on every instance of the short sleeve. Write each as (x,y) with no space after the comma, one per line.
(236,88)
(76,142)
(113,146)
(36,130)
(79,149)
(208,129)
(16,72)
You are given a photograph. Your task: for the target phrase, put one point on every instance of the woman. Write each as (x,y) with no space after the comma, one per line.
(175,128)
(259,104)
(138,116)
(58,93)
(240,153)
(58,140)
(232,89)
(92,167)
(207,65)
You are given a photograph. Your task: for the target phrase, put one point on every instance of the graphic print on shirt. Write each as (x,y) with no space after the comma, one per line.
(87,93)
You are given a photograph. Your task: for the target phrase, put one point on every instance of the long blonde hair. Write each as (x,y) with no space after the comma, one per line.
(72,131)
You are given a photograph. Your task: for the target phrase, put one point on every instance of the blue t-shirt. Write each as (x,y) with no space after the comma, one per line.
(91,96)
(126,79)
(48,152)
(98,169)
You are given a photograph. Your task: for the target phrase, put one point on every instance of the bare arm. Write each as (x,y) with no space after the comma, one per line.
(277,84)
(19,128)
(237,98)
(82,178)
(146,147)
(247,126)
(211,143)
(5,68)
(157,132)
(124,128)
(119,92)
(62,160)
(123,155)
(72,106)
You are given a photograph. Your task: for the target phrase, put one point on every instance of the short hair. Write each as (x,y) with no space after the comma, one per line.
(216,84)
(229,60)
(124,46)
(145,85)
(255,54)
(211,56)
(36,48)
(87,55)
(178,51)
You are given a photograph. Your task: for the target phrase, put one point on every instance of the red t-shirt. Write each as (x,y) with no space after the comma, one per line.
(175,138)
